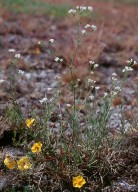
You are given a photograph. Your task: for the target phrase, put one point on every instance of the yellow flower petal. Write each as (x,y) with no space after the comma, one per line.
(24,163)
(29,122)
(9,162)
(36,147)
(78,181)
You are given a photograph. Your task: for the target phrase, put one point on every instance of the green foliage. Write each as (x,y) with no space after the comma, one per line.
(34,7)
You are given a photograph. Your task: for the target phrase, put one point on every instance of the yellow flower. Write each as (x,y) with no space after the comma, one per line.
(24,163)
(36,147)
(78,181)
(9,162)
(29,122)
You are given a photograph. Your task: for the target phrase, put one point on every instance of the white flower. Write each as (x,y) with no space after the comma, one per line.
(126,69)
(135,62)
(91,81)
(21,72)
(51,40)
(72,11)
(17,55)
(90,8)
(91,62)
(49,89)
(78,80)
(83,31)
(113,93)
(57,59)
(39,42)
(114,79)
(96,65)
(44,100)
(87,26)
(114,74)
(91,97)
(105,94)
(12,50)
(118,88)
(97,88)
(1,80)
(83,8)
(94,28)
(68,105)
(130,61)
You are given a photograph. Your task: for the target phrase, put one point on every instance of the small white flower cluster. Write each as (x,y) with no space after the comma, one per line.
(81,9)
(91,81)
(17,55)
(105,94)
(68,105)
(114,77)
(1,80)
(49,88)
(131,61)
(114,93)
(12,50)
(21,72)
(87,26)
(44,100)
(93,63)
(57,59)
(114,74)
(127,69)
(94,28)
(91,97)
(72,11)
(90,8)
(118,88)
(84,32)
(51,40)
(97,88)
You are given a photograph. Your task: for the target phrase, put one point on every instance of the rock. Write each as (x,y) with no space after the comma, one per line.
(107,59)
(3,182)
(127,186)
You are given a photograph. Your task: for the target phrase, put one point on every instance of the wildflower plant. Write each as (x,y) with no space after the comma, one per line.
(82,143)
